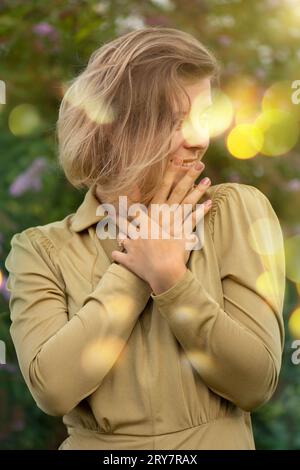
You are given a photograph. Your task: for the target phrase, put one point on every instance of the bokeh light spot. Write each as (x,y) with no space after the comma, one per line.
(24,119)
(264,236)
(280,130)
(294,323)
(268,285)
(279,96)
(201,361)
(220,114)
(185,314)
(99,356)
(94,107)
(244,141)
(245,94)
(247,113)
(292,254)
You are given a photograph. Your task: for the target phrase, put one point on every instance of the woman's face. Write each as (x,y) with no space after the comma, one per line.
(191,139)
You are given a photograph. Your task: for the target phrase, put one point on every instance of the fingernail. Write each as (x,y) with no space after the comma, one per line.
(205,180)
(208,203)
(199,165)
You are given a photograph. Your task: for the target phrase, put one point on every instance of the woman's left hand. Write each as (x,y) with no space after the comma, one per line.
(161,259)
(153,259)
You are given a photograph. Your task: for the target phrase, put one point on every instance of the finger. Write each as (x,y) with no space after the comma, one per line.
(194,239)
(148,226)
(191,241)
(134,229)
(200,212)
(119,257)
(193,219)
(196,192)
(122,239)
(123,224)
(169,177)
(184,185)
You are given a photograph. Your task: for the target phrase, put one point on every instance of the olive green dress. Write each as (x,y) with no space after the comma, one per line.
(127,369)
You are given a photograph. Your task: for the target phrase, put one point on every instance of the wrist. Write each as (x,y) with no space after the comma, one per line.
(164,280)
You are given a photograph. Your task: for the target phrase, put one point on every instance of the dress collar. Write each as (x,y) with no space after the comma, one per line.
(86,215)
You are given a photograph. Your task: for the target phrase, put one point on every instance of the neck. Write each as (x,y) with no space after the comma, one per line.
(132,197)
(102,200)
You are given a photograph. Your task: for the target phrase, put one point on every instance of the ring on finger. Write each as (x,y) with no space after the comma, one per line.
(121,242)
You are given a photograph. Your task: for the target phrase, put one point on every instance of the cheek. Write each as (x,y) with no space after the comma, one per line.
(176,143)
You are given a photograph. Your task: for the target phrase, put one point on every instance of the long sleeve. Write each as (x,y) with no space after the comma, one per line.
(63,361)
(237,350)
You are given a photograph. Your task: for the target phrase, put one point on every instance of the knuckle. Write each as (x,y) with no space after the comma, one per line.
(200,189)
(190,176)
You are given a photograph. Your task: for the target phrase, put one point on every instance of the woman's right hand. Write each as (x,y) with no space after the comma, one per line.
(184,192)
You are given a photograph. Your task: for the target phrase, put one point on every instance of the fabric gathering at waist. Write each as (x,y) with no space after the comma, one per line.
(207,435)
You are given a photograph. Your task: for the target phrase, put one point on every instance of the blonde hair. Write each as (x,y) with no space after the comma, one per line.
(116,119)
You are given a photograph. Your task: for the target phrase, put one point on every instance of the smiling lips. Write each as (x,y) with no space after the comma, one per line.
(189,162)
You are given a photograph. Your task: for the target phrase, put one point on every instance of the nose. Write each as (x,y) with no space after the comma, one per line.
(196,135)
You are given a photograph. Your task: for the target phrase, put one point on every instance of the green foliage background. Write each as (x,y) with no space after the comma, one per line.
(257,38)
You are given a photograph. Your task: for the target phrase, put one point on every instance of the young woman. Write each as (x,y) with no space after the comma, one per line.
(156,346)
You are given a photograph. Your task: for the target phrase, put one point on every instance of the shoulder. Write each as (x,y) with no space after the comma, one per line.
(39,246)
(51,236)
(233,192)
(232,201)
(243,222)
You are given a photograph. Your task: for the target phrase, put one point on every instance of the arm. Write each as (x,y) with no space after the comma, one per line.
(63,361)
(236,350)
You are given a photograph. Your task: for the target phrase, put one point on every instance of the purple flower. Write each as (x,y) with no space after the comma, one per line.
(3,289)
(153,20)
(273,3)
(293,185)
(234,176)
(260,73)
(45,29)
(9,368)
(18,421)
(224,40)
(29,179)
